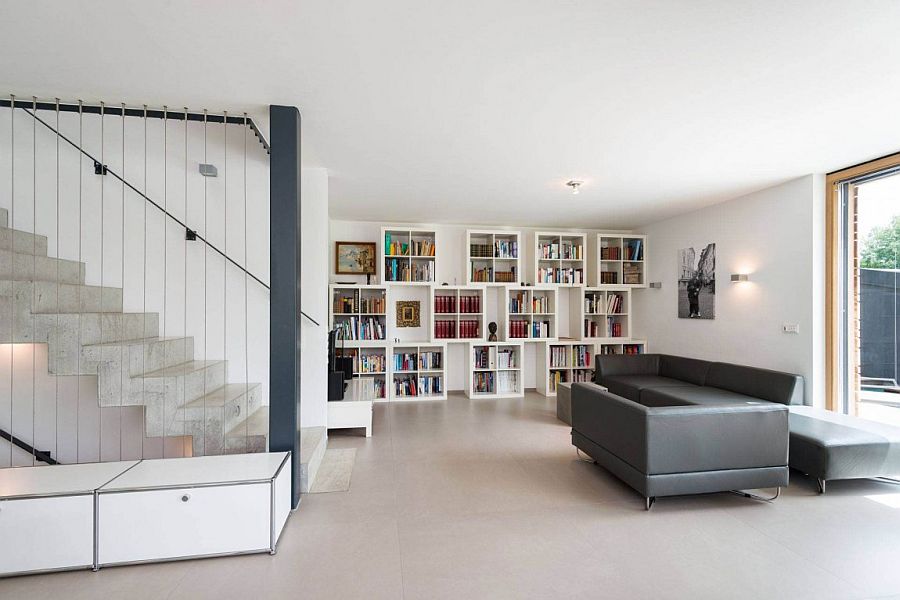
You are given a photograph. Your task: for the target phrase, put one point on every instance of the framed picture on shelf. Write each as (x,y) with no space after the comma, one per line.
(408,313)
(354,258)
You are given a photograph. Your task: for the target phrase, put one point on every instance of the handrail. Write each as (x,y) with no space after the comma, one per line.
(139,112)
(109,171)
(41,455)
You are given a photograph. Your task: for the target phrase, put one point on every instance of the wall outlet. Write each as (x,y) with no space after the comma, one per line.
(790,327)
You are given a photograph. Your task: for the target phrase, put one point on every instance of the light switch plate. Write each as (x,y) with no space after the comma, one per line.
(790,327)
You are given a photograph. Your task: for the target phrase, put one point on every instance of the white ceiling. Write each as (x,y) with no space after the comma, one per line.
(467,111)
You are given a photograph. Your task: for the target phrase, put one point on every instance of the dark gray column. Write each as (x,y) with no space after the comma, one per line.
(284,298)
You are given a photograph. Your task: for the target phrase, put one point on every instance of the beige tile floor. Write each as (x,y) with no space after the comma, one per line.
(486,499)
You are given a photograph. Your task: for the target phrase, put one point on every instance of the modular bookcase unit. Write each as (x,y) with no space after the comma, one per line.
(559,258)
(408,256)
(493,256)
(457,313)
(359,311)
(564,361)
(418,372)
(621,260)
(495,370)
(600,313)
(529,313)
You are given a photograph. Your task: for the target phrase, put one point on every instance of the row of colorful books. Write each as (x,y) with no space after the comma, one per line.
(507,382)
(491,275)
(609,277)
(397,269)
(356,328)
(614,328)
(370,363)
(344,304)
(484,382)
(522,329)
(570,356)
(448,304)
(564,251)
(610,253)
(634,250)
(566,275)
(444,329)
(429,385)
(430,360)
(394,247)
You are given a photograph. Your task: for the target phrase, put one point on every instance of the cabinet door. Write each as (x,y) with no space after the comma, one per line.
(176,523)
(46,533)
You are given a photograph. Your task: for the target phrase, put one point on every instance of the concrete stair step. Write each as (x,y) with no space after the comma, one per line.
(133,358)
(165,391)
(27,267)
(313,443)
(4,217)
(46,297)
(23,242)
(208,418)
(249,435)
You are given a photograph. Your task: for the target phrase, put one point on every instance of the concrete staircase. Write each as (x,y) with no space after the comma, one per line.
(45,300)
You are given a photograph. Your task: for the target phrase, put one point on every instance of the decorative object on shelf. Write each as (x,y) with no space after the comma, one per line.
(408,313)
(697,283)
(354,258)
(492,328)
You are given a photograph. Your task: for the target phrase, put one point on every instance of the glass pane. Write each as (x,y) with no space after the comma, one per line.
(875,392)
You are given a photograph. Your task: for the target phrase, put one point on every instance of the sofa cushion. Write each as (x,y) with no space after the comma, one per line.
(691,370)
(630,386)
(773,386)
(694,395)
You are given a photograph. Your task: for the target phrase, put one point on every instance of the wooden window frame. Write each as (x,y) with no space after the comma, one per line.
(833,259)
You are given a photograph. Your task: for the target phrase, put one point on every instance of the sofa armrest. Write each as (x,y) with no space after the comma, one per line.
(625,364)
(709,438)
(615,423)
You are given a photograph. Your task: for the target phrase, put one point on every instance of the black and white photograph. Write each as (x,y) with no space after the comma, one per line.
(697,283)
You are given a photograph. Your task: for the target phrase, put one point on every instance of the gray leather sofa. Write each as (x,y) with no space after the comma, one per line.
(672,426)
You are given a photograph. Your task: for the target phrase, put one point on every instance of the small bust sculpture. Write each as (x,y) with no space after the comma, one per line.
(492,327)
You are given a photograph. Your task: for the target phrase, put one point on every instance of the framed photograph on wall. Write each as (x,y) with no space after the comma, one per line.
(697,283)
(354,258)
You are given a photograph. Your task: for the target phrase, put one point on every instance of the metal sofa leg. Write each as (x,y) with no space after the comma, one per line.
(649,500)
(821,483)
(757,497)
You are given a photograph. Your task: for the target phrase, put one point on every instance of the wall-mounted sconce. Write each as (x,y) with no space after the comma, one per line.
(738,277)
(208,170)
(656,285)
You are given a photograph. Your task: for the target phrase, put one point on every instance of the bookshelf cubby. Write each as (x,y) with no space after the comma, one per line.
(559,258)
(418,372)
(369,362)
(359,311)
(600,313)
(493,257)
(529,313)
(565,361)
(457,313)
(621,260)
(625,347)
(495,370)
(408,256)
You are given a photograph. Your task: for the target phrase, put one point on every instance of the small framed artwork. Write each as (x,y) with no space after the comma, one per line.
(354,258)
(408,313)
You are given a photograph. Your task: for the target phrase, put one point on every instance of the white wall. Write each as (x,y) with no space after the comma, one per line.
(775,235)
(125,242)
(314,279)
(451,269)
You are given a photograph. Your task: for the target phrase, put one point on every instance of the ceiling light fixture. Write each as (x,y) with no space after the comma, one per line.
(574,184)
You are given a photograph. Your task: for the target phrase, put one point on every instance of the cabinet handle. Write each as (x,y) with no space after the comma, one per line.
(186,497)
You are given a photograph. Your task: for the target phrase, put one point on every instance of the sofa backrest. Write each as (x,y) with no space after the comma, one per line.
(606,365)
(774,386)
(691,370)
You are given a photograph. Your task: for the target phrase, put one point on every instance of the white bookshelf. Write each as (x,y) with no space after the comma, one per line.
(493,256)
(601,314)
(559,258)
(457,313)
(621,260)
(565,361)
(370,363)
(525,306)
(360,311)
(408,256)
(495,370)
(413,364)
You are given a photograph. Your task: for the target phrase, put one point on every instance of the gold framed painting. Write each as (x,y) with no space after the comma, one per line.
(354,258)
(408,313)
